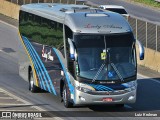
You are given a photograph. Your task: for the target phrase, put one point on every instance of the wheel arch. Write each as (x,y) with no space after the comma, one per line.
(29,71)
(62,83)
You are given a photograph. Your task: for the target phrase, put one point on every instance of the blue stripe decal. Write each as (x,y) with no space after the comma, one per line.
(45,71)
(65,72)
(100,87)
(46,81)
(125,85)
(41,71)
(35,64)
(105,87)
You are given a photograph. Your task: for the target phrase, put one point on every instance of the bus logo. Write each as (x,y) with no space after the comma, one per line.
(47,55)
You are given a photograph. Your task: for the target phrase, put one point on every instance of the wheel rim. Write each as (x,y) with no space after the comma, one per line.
(31,84)
(64,96)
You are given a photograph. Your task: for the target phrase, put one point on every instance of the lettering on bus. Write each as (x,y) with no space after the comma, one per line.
(90,26)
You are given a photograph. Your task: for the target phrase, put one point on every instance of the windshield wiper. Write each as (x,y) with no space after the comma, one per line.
(99,71)
(102,66)
(118,73)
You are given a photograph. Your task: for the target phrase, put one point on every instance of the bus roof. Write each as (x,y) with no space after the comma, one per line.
(80,18)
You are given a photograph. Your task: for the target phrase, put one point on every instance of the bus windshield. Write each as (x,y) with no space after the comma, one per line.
(106,57)
(120,11)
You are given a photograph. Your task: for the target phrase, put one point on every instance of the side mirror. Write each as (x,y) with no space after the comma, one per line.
(141,50)
(72,49)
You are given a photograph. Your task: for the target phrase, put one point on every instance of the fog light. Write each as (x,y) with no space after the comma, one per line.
(131,98)
(82,98)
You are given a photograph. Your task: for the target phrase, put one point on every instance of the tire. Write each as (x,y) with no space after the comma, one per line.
(65,98)
(32,87)
(120,105)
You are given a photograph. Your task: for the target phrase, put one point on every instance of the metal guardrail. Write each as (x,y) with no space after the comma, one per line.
(146,32)
(21,2)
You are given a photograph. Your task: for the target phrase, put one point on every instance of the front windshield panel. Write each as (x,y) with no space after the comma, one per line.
(120,11)
(105,57)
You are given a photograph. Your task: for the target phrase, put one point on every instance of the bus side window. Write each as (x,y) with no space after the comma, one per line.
(21,16)
(53,25)
(71,63)
(26,16)
(68,34)
(42,30)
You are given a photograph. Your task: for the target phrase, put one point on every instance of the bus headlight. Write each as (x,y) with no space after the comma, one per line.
(84,88)
(130,86)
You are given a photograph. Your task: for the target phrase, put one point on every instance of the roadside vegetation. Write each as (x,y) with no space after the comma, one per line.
(152,3)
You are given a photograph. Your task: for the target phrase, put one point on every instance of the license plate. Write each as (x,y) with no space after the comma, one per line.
(107,99)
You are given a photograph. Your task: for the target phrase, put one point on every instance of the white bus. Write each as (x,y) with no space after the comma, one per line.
(115,8)
(84,55)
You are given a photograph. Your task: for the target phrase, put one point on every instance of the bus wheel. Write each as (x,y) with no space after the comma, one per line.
(32,87)
(66,101)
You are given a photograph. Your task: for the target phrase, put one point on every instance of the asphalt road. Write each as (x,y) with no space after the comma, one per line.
(135,10)
(147,99)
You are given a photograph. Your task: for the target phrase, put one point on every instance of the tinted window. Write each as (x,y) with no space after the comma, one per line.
(41,30)
(102,55)
(120,11)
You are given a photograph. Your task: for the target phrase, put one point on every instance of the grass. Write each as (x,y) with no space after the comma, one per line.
(152,3)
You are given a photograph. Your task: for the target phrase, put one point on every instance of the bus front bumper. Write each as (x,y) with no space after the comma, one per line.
(82,98)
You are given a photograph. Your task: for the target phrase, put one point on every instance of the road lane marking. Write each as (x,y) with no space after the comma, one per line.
(26,103)
(3,51)
(13,104)
(149,78)
(6,98)
(19,99)
(8,24)
(2,110)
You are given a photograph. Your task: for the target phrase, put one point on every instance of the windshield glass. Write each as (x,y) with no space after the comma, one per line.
(105,57)
(120,11)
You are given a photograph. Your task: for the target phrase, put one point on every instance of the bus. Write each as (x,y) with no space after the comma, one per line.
(84,55)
